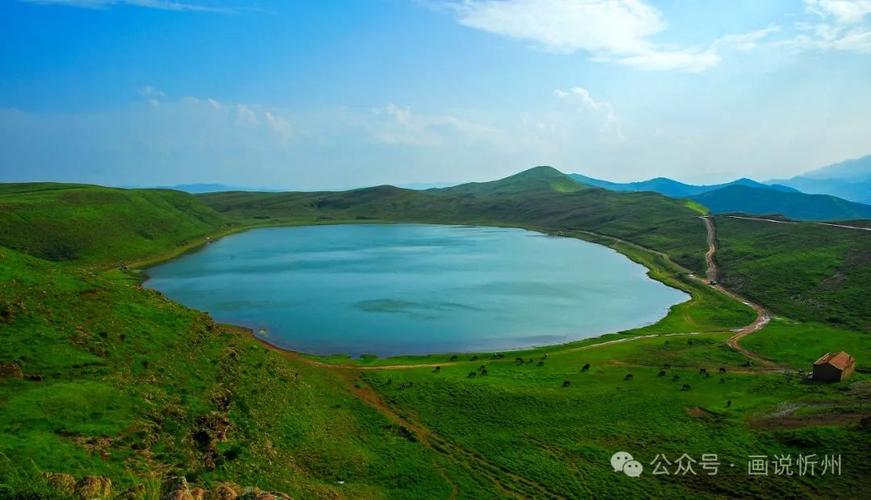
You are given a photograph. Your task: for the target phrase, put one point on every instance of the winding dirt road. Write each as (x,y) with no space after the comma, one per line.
(775,221)
(763,317)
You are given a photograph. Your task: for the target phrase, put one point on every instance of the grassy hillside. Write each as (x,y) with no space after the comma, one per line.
(120,382)
(93,224)
(541,198)
(798,206)
(804,271)
(537,179)
(554,425)
(101,377)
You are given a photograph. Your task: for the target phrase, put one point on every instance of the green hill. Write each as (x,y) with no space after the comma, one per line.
(796,205)
(118,381)
(805,271)
(536,179)
(94,224)
(100,377)
(542,198)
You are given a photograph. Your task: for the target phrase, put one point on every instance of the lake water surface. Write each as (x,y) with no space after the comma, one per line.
(414,289)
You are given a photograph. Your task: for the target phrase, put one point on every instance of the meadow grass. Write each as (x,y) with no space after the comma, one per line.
(121,382)
(805,271)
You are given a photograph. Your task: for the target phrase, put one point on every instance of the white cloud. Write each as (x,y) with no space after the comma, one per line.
(694,61)
(582,97)
(745,41)
(279,126)
(150,4)
(830,37)
(618,31)
(842,11)
(568,25)
(399,125)
(245,115)
(840,26)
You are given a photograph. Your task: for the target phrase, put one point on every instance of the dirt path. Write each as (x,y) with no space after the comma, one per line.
(831,224)
(762,219)
(712,271)
(763,317)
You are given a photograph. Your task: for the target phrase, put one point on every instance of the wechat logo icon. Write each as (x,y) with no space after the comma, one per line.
(623,462)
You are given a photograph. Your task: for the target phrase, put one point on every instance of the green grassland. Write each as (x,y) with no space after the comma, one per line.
(118,381)
(804,271)
(798,344)
(124,383)
(92,224)
(520,417)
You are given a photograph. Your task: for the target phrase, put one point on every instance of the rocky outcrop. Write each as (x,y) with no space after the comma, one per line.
(224,492)
(137,492)
(65,484)
(86,488)
(172,488)
(10,370)
(94,488)
(177,488)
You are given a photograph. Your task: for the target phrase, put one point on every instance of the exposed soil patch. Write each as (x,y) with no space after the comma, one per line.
(792,422)
(699,412)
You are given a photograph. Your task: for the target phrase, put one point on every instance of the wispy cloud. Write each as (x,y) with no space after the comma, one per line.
(842,11)
(149,4)
(836,25)
(585,102)
(399,125)
(618,31)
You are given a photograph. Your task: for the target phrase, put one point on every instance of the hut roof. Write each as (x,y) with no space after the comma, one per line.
(840,360)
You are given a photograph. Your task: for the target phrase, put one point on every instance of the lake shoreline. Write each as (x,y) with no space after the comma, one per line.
(463,317)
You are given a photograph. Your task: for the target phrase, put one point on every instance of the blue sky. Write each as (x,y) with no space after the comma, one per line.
(315,95)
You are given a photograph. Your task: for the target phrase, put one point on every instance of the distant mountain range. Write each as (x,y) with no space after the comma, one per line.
(795,205)
(751,197)
(849,179)
(670,187)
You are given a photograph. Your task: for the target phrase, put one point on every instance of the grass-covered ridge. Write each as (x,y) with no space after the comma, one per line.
(93,224)
(102,377)
(806,271)
(541,199)
(123,383)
